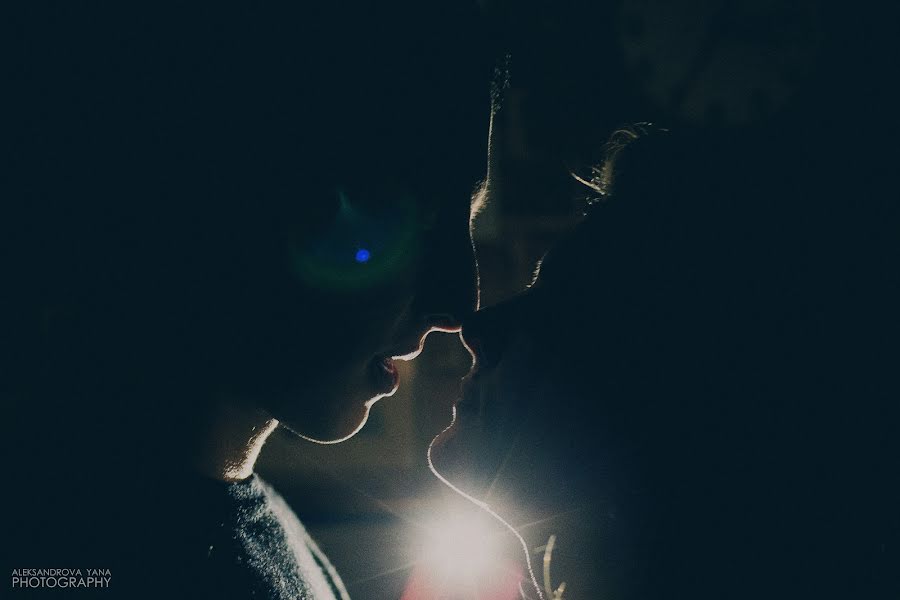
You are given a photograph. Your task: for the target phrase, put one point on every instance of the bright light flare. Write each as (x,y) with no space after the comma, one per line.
(462,558)
(527,578)
(461,546)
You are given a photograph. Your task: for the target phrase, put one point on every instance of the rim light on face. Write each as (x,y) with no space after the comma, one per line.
(531,579)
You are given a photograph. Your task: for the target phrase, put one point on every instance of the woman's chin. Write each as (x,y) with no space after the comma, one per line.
(332,414)
(328,427)
(349,426)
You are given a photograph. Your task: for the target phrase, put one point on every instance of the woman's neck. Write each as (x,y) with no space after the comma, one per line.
(229,440)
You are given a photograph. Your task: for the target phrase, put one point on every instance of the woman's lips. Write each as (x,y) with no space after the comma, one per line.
(382,369)
(384,375)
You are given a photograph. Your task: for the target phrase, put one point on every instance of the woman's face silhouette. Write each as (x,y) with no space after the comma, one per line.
(369,285)
(266,208)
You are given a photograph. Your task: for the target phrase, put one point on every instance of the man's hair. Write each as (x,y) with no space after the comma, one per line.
(602,176)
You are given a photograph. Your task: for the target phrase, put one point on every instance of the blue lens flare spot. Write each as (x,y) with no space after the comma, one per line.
(363,255)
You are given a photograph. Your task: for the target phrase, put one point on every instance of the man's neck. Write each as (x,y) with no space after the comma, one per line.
(230,440)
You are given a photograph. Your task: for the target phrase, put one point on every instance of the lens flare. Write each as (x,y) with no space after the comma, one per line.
(460,548)
(461,557)
(527,579)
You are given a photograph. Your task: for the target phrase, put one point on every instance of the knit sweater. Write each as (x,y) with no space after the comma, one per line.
(252,545)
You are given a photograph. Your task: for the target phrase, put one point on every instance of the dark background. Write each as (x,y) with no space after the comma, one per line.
(809,87)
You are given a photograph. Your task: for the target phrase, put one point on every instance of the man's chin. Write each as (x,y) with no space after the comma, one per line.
(441,451)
